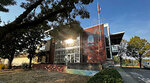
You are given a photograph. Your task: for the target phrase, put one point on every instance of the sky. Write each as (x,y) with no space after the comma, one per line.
(131,16)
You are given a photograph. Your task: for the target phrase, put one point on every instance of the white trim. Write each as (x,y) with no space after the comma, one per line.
(106,25)
(109,42)
(117,33)
(108,32)
(67,48)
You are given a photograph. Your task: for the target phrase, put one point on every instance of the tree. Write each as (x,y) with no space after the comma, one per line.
(31,39)
(52,11)
(23,39)
(122,50)
(137,48)
(10,48)
(116,59)
(127,61)
(4,3)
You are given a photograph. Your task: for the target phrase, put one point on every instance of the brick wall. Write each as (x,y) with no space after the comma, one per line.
(50,67)
(91,51)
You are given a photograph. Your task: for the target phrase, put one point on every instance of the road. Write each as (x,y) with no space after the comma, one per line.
(141,75)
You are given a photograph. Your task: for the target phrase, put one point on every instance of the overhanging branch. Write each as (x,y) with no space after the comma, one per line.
(28,10)
(13,26)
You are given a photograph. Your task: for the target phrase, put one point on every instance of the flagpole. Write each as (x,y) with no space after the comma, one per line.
(99,27)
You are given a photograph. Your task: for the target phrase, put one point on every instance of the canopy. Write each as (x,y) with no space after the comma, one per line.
(116,38)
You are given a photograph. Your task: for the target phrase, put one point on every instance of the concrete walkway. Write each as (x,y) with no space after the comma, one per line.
(1,82)
(125,76)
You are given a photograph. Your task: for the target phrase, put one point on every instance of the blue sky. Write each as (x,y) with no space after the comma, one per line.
(131,16)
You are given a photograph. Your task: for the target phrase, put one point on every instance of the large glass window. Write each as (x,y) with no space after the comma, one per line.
(72,51)
(90,40)
(107,42)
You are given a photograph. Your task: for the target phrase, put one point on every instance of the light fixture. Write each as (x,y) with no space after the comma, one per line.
(69,41)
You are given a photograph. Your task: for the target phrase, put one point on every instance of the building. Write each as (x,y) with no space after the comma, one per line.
(19,60)
(92,45)
(115,42)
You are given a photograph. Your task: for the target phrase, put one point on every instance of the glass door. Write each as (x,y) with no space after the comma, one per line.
(71,58)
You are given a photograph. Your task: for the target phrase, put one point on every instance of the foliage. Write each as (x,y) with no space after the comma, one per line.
(18,34)
(4,3)
(138,48)
(106,76)
(53,11)
(116,59)
(3,66)
(123,46)
(122,50)
(9,48)
(32,39)
(24,66)
(127,61)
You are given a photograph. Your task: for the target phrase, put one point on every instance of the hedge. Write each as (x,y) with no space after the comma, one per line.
(106,76)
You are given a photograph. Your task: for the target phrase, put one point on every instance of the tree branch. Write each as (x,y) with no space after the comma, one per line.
(28,10)
(13,26)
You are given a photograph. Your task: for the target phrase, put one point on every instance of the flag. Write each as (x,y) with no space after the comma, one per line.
(98,8)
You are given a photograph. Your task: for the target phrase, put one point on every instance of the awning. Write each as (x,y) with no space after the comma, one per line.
(116,38)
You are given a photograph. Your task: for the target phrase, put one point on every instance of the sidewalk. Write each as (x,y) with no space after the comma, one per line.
(125,76)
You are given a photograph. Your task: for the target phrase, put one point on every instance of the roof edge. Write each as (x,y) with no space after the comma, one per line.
(92,26)
(118,33)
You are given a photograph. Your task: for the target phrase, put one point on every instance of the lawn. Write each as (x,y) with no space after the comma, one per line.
(40,76)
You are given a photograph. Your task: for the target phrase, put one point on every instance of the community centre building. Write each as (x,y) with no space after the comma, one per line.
(93,45)
(92,49)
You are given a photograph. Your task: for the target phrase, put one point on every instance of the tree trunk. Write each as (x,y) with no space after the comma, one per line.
(10,63)
(120,61)
(140,61)
(30,63)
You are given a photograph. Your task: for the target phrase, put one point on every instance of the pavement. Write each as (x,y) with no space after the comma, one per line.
(141,75)
(127,78)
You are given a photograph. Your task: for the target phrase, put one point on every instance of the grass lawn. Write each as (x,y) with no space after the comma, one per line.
(40,76)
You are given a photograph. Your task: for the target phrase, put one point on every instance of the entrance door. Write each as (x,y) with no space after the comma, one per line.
(71,58)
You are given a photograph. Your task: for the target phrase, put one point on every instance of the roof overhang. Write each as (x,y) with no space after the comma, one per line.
(116,38)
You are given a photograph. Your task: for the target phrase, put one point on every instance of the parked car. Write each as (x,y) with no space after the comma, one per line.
(146,63)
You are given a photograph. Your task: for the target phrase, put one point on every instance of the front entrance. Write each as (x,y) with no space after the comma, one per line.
(71,58)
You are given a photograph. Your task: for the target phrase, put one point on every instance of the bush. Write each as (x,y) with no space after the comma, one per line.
(24,66)
(3,66)
(106,76)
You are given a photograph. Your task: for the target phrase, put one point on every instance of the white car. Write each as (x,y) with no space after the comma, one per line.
(146,63)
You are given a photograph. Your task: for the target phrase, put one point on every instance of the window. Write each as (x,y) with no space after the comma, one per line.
(107,42)
(106,36)
(115,48)
(91,40)
(63,49)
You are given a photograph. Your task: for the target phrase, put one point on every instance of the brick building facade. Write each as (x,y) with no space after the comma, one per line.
(93,45)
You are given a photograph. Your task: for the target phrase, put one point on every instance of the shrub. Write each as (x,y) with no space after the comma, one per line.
(106,76)
(24,66)
(3,66)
